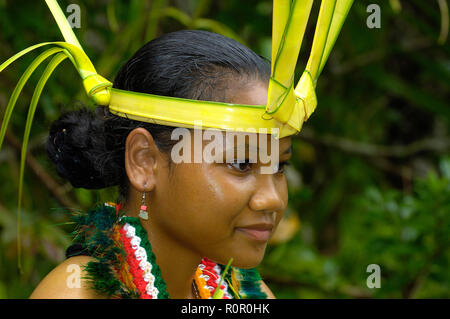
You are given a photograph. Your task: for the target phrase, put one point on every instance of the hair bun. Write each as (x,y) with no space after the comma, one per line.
(76,145)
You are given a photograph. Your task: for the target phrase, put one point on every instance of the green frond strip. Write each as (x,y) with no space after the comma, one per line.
(320,37)
(218,293)
(63,24)
(236,294)
(22,81)
(290,20)
(16,56)
(56,60)
(340,14)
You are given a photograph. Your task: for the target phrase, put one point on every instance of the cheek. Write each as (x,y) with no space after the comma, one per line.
(206,200)
(284,195)
(227,190)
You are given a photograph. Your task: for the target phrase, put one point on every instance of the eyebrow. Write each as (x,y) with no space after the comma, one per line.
(288,151)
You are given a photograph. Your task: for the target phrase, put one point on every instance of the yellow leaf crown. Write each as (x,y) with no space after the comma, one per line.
(287,106)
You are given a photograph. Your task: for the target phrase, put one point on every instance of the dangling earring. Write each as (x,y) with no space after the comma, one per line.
(143,212)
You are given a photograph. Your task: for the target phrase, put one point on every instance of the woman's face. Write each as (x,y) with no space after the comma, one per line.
(223,210)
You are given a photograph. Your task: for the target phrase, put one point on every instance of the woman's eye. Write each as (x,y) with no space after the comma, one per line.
(242,165)
(282,165)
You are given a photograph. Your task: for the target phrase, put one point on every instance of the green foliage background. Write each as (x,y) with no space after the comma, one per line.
(370,180)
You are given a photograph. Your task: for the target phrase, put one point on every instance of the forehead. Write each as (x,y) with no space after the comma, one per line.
(253,93)
(229,141)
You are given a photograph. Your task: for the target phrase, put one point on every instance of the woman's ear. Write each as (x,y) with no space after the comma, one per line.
(142,159)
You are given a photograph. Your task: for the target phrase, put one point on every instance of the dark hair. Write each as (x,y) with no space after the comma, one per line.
(88,147)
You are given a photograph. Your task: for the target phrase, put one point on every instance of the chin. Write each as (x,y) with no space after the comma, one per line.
(246,265)
(245,261)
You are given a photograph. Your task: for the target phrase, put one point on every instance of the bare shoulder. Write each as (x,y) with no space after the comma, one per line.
(65,282)
(267,290)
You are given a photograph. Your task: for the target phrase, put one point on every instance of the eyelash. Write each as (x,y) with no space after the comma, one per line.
(281,165)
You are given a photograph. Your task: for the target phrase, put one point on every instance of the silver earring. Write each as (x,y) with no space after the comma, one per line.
(143,212)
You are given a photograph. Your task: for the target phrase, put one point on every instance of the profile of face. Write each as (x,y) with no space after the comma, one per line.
(218,210)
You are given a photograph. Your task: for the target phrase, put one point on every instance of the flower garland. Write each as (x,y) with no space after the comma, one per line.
(125,266)
(140,268)
(206,277)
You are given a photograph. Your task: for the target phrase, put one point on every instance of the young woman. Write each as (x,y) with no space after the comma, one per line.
(195,211)
(176,224)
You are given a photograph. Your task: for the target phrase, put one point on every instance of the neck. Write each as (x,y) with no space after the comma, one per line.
(177,264)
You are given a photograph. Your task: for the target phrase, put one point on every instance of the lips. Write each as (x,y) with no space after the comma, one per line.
(259,232)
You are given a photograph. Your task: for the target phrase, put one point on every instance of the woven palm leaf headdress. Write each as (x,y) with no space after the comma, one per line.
(287,107)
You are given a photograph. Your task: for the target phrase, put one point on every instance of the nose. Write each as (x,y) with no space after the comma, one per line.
(269,195)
